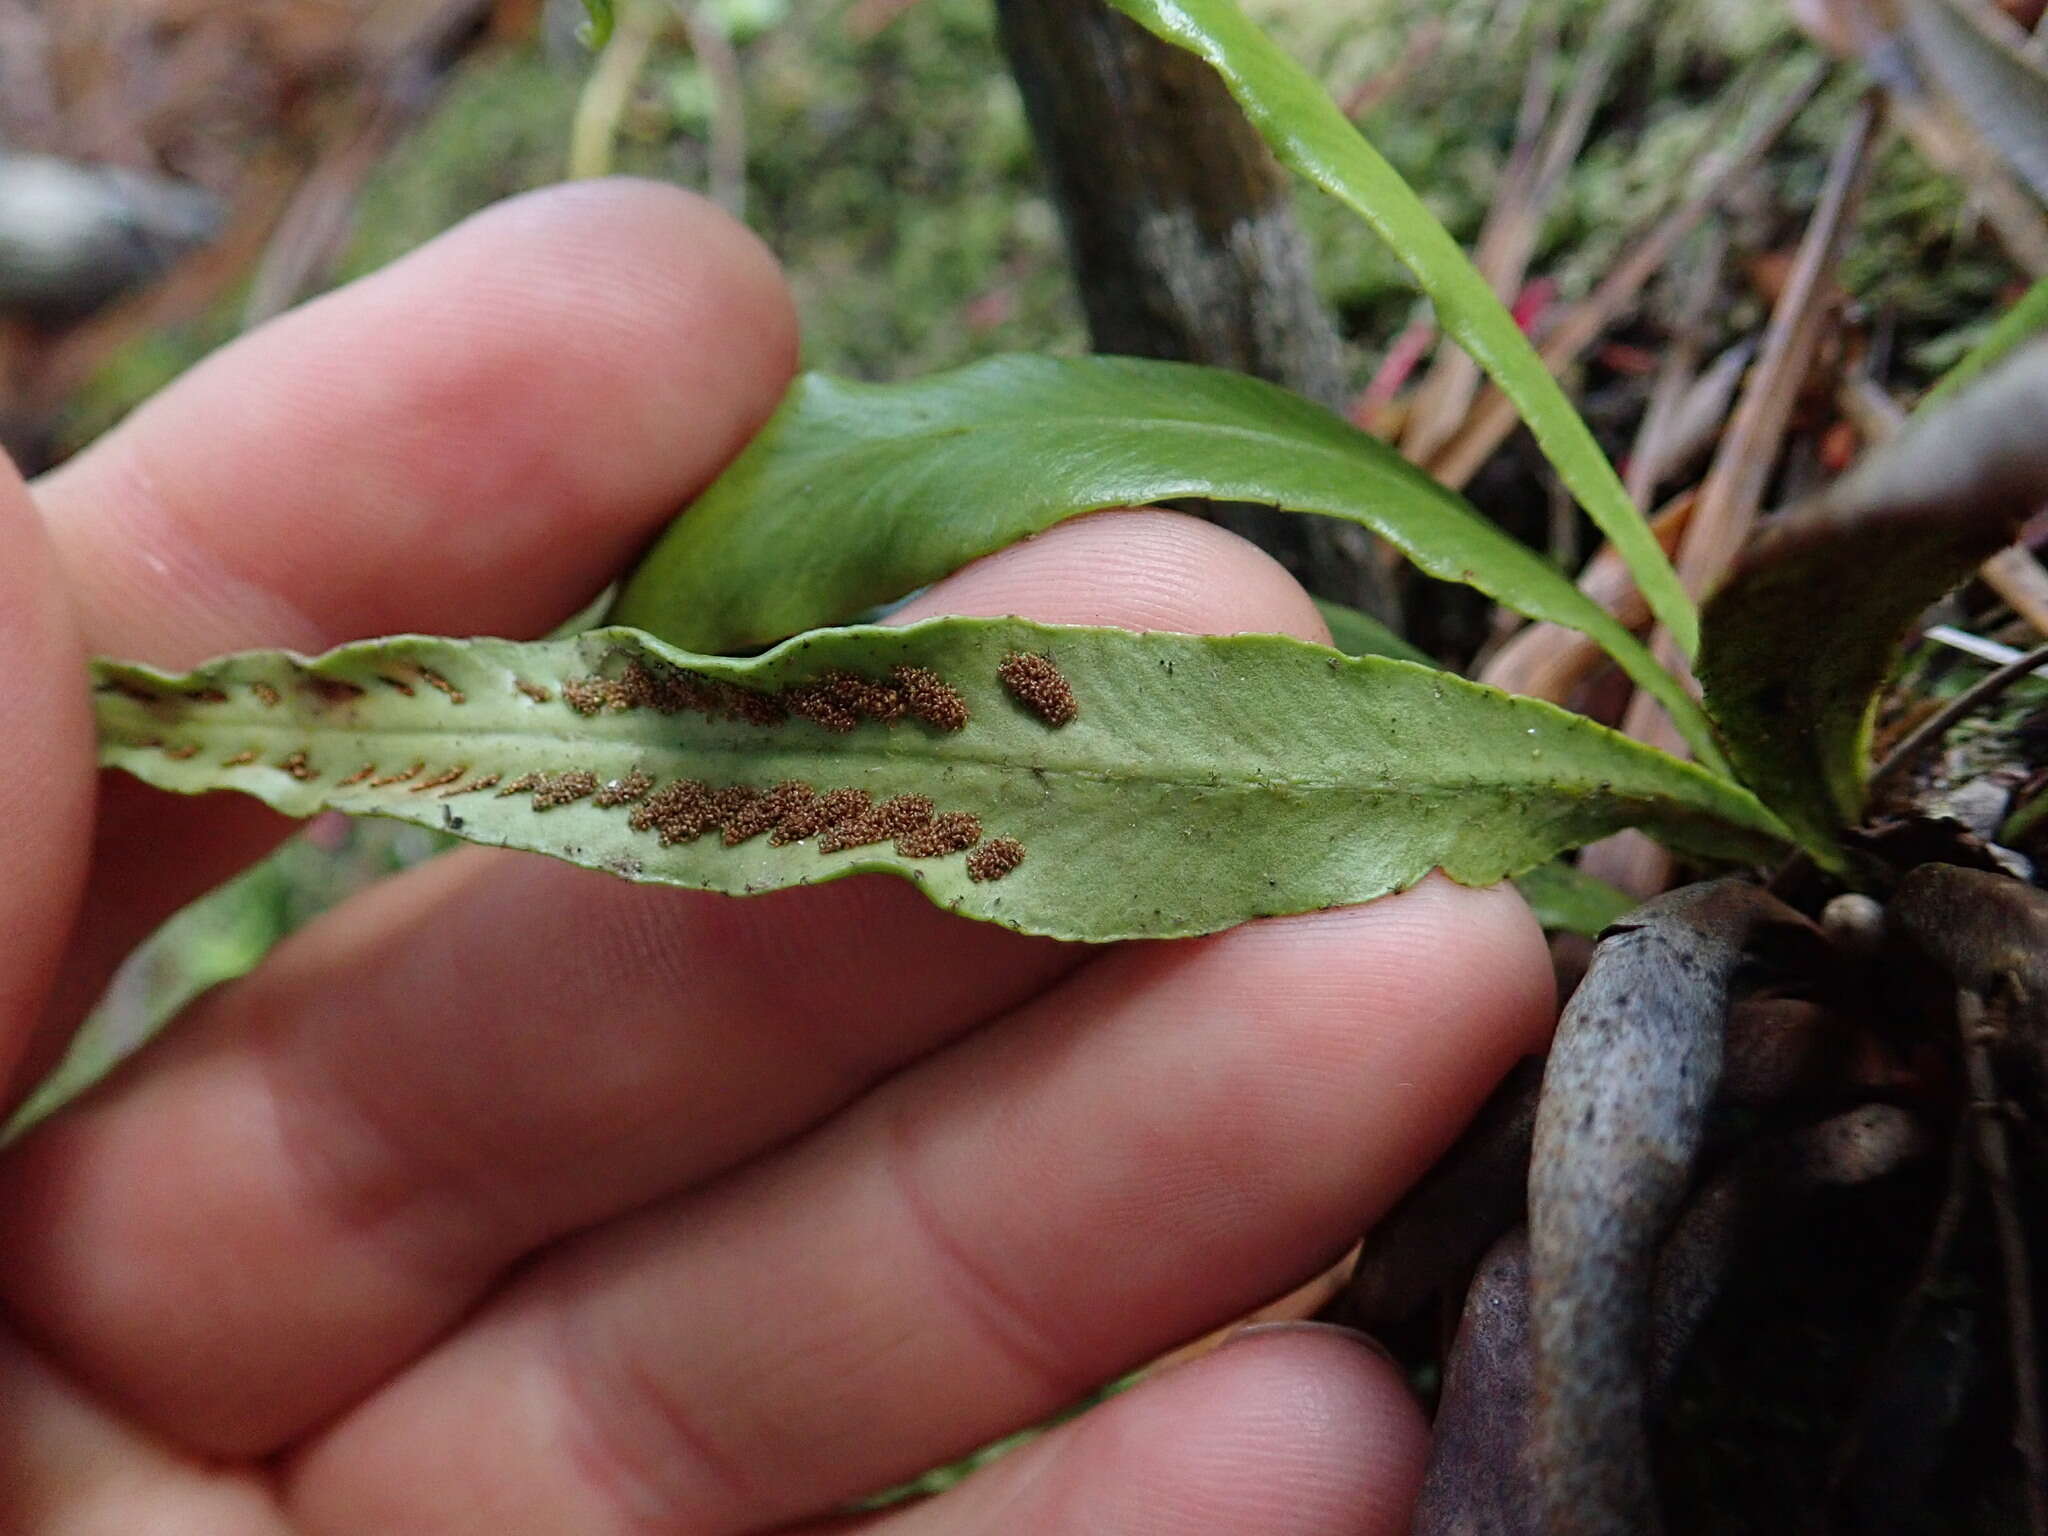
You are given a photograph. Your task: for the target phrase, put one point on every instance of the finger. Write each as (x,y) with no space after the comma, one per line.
(69,1468)
(328,1162)
(1296,1432)
(1173,1135)
(471,441)
(46,785)
(475,437)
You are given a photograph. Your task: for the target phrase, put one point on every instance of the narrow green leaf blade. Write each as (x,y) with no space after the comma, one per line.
(1565,897)
(1203,781)
(1306,130)
(1802,638)
(2019,325)
(599,16)
(1360,634)
(857,493)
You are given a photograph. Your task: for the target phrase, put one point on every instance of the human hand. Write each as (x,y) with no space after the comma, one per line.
(510,1197)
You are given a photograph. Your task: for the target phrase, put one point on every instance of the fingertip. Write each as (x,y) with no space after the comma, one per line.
(1435,991)
(1493,924)
(1296,1431)
(46,790)
(669,281)
(1303,1431)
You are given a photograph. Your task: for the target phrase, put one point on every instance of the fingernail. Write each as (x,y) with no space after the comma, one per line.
(1314,1330)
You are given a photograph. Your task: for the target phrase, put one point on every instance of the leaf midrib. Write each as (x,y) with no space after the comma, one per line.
(969,758)
(1346,456)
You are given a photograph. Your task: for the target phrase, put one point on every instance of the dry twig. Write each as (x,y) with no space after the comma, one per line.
(1493,418)
(1979,1026)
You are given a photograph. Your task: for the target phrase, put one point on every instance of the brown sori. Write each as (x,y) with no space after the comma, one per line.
(931,698)
(821,814)
(564,789)
(332,690)
(624,791)
(946,833)
(436,681)
(445,776)
(893,818)
(680,812)
(995,858)
(595,696)
(1033,681)
(765,812)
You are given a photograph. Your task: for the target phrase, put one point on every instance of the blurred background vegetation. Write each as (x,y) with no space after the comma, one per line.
(889,165)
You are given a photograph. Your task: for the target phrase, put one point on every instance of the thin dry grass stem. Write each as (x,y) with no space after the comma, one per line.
(1951,146)
(1702,414)
(1494,417)
(1425,39)
(721,63)
(2017,577)
(316,223)
(1548,661)
(1514,223)
(311,235)
(1865,405)
(1980,1026)
(1937,725)
(1507,239)
(1679,370)
(1931,1277)
(1732,494)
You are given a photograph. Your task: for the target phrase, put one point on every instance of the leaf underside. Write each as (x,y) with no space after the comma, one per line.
(1201,781)
(854,494)
(1799,643)
(1305,129)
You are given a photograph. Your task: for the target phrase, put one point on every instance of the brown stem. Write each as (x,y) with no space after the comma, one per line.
(1980,693)
(1979,1027)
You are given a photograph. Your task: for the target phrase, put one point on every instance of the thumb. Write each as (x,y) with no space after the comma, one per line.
(46,772)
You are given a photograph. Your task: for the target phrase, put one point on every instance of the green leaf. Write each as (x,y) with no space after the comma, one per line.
(1564,897)
(1306,130)
(1360,634)
(1202,782)
(2017,326)
(596,31)
(1800,641)
(217,938)
(856,493)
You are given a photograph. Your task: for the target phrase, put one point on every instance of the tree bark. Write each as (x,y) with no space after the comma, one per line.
(1183,239)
